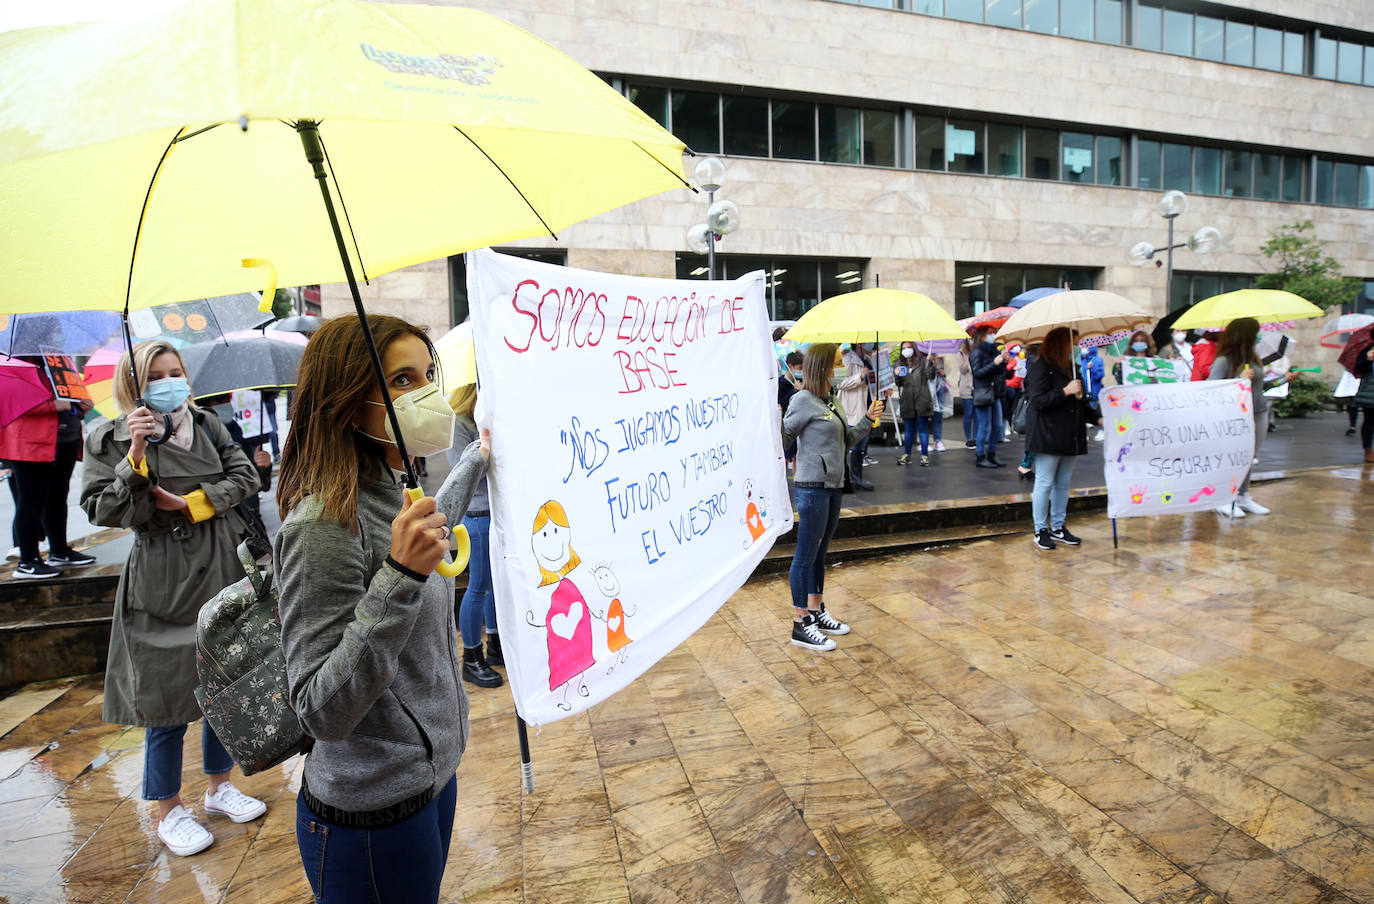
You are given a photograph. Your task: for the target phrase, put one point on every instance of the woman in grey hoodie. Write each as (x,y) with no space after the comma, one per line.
(368,629)
(823,436)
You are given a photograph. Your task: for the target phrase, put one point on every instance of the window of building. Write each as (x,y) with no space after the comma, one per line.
(1268,48)
(930,143)
(964,146)
(840,133)
(1326,172)
(1043,16)
(1240,43)
(1347,190)
(1207,171)
(1042,153)
(1077,157)
(880,138)
(1369,65)
(1208,38)
(1004,150)
(1190,288)
(1147,174)
(792,285)
(746,125)
(1178,32)
(968,10)
(1178,167)
(458,276)
(1076,19)
(1003,12)
(696,120)
(1294,187)
(1294,53)
(1349,62)
(794,130)
(1267,177)
(1149,27)
(1109,21)
(929,7)
(1111,168)
(980,287)
(1367,186)
(653,101)
(1324,58)
(1236,174)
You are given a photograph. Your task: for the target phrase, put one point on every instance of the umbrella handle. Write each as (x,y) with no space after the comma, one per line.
(167,429)
(460,534)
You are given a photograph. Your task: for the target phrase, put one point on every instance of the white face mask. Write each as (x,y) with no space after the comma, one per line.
(1180,338)
(426,422)
(908,352)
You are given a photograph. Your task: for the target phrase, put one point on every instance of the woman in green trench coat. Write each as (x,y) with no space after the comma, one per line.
(178,498)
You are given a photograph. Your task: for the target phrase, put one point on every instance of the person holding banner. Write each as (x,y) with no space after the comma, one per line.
(1238,358)
(42,447)
(478,607)
(823,436)
(1057,416)
(368,627)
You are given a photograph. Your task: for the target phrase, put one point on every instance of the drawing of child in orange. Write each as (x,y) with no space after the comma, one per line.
(568,623)
(617,637)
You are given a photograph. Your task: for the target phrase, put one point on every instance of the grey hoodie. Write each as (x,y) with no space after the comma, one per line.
(371,649)
(822,439)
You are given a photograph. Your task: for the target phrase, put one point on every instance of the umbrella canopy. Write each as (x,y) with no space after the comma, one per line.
(22,387)
(301,323)
(1091,312)
(1265,305)
(255,362)
(993,318)
(68,333)
(1359,343)
(1026,297)
(1337,331)
(875,315)
(444,129)
(457,359)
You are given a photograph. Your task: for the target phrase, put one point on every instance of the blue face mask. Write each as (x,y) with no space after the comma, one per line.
(166,395)
(1139,346)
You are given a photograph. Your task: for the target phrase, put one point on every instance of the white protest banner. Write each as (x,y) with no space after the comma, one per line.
(1176,447)
(1144,371)
(636,466)
(248,412)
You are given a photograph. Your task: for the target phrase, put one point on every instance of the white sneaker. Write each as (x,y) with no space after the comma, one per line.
(1244,501)
(182,834)
(939,445)
(1099,436)
(1006,432)
(230,801)
(1231,511)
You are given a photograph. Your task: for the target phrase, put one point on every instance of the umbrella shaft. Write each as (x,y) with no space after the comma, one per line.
(314,153)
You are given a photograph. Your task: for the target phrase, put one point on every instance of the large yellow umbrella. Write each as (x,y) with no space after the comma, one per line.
(1265,305)
(875,315)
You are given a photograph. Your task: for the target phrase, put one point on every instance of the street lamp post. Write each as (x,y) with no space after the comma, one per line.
(1169,206)
(722,217)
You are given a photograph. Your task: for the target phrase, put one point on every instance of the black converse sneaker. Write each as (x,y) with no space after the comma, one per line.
(805,633)
(1062,535)
(829,623)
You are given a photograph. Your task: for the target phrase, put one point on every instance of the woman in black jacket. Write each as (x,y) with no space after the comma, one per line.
(1056,416)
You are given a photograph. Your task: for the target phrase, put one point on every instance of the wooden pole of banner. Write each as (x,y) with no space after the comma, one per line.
(1114,543)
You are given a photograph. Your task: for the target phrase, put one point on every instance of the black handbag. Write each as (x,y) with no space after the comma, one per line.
(983,395)
(1018,415)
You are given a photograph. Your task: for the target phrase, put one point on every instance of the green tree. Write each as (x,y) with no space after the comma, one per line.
(1304,268)
(283,303)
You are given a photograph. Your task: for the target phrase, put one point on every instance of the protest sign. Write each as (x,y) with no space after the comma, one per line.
(1176,447)
(1145,371)
(636,466)
(66,379)
(248,412)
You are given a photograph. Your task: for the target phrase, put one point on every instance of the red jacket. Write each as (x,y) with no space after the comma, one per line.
(33,435)
(1204,353)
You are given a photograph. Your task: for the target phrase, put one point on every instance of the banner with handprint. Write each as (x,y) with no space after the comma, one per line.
(636,466)
(1176,447)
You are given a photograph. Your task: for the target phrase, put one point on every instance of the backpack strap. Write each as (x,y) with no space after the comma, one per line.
(250,550)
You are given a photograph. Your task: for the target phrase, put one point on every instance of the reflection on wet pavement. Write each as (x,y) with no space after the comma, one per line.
(1185,719)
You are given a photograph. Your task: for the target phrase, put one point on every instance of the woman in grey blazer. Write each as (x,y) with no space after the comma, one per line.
(823,437)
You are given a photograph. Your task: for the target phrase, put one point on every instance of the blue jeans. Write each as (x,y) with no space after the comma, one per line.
(966,404)
(162,759)
(818,511)
(938,433)
(987,428)
(1050,498)
(479,603)
(404,862)
(914,427)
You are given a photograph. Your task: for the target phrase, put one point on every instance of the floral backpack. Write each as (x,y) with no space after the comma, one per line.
(243,690)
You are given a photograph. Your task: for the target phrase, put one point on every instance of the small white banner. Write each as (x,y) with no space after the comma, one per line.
(636,472)
(1144,371)
(249,412)
(1176,447)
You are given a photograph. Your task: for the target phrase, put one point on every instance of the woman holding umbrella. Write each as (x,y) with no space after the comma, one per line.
(179,498)
(1056,431)
(988,366)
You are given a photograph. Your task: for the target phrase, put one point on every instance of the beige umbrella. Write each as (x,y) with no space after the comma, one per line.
(1087,311)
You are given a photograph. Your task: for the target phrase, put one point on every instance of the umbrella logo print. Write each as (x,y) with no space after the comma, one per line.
(470,70)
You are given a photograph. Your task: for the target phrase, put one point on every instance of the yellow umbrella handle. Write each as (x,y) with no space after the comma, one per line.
(460,534)
(269,292)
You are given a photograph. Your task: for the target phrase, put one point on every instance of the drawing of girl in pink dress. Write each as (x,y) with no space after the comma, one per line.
(568,626)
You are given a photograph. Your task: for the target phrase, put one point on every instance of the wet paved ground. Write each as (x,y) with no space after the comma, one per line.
(1185,720)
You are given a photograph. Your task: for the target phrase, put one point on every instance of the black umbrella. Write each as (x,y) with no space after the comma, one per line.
(301,323)
(256,362)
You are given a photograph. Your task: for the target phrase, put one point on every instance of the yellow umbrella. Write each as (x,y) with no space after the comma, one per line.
(1265,305)
(875,315)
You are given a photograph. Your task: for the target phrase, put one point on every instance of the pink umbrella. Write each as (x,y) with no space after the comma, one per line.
(23,389)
